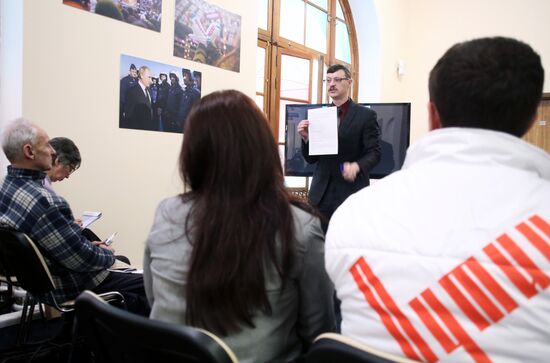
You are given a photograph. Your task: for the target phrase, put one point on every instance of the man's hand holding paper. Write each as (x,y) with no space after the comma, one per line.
(323,131)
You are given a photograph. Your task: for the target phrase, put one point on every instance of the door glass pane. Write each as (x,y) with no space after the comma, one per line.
(314,81)
(260,69)
(339,12)
(294,77)
(342,50)
(282,119)
(316,29)
(260,102)
(295,181)
(262,14)
(292,20)
(324,88)
(320,3)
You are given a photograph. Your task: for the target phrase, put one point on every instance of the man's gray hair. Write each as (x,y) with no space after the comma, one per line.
(17,134)
(142,70)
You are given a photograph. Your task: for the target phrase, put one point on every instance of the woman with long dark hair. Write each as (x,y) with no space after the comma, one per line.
(233,255)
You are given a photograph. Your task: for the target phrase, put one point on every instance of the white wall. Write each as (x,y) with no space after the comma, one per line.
(11,66)
(420,31)
(380,28)
(71,88)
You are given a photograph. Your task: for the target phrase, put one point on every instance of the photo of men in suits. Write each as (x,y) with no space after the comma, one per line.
(146,104)
(338,176)
(139,109)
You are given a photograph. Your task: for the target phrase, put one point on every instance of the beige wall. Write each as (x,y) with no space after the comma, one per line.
(419,32)
(71,88)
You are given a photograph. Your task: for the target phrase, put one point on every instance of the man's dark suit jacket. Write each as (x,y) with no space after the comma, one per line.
(359,141)
(138,110)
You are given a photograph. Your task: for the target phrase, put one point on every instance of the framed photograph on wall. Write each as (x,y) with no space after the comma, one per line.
(208,34)
(144,13)
(156,96)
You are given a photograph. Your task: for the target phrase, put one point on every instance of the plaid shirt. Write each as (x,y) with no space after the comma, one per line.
(75,264)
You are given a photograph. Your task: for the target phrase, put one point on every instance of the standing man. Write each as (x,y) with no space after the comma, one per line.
(171,111)
(126,83)
(338,176)
(153,90)
(190,96)
(162,97)
(448,259)
(139,109)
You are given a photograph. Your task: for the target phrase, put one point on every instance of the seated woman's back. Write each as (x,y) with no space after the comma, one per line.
(233,256)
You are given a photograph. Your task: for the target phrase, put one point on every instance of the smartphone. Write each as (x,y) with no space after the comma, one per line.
(110,240)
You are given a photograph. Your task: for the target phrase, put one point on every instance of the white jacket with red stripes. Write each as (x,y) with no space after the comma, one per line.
(449,258)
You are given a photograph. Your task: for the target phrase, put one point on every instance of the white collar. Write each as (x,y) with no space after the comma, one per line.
(470,145)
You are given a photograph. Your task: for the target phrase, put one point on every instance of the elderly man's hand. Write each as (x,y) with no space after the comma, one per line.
(102,244)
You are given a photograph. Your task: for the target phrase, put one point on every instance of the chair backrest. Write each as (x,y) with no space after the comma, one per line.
(330,347)
(20,258)
(118,336)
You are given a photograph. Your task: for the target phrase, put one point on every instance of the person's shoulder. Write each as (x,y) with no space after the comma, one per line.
(169,225)
(307,226)
(301,214)
(43,196)
(134,88)
(174,203)
(127,79)
(363,110)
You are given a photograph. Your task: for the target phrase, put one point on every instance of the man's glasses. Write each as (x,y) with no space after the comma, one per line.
(335,80)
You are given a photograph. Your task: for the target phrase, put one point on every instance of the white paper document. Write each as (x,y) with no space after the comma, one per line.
(123,267)
(89,218)
(323,131)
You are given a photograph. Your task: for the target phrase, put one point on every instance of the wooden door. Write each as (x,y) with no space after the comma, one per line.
(539,134)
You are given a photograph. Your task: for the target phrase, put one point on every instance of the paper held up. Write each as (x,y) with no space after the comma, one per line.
(89,218)
(323,131)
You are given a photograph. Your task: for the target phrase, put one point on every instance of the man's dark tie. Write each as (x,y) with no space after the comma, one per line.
(148,95)
(339,112)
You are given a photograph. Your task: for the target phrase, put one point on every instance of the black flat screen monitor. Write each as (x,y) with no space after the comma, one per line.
(394,121)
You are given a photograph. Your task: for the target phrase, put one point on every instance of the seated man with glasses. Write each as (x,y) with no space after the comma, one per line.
(67,159)
(338,176)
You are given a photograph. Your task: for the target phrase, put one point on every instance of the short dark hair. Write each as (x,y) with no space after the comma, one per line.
(339,67)
(489,83)
(66,151)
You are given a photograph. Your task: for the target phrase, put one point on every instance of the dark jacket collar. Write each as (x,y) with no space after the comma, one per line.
(26,173)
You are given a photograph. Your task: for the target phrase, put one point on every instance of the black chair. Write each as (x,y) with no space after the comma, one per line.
(331,347)
(22,264)
(118,336)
